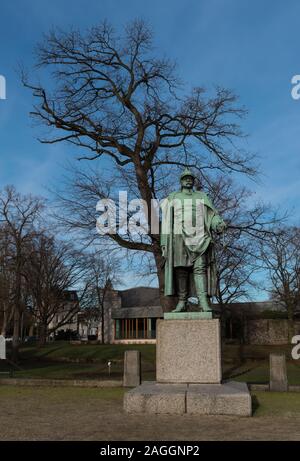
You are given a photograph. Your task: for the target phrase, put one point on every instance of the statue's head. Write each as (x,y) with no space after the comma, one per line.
(187,179)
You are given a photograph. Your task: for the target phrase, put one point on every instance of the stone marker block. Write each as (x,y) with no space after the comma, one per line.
(232,398)
(132,369)
(278,375)
(2,348)
(152,397)
(188,351)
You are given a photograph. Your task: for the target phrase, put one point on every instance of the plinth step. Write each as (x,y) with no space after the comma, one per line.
(188,315)
(231,398)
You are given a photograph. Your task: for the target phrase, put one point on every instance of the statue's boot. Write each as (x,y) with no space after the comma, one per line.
(180,306)
(182,289)
(201,290)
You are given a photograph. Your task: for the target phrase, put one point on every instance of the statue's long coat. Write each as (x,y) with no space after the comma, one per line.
(211,221)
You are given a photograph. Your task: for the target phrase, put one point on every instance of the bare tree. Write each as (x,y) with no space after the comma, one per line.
(281,257)
(53,269)
(101,275)
(237,250)
(6,281)
(19,215)
(116,101)
(236,269)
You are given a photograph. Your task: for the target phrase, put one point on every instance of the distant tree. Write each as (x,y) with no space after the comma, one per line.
(19,220)
(236,270)
(281,257)
(6,282)
(53,269)
(101,275)
(238,249)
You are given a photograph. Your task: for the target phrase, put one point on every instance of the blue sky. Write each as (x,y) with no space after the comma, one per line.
(251,47)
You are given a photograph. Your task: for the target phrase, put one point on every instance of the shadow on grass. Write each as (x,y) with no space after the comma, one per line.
(255,404)
(43,352)
(236,371)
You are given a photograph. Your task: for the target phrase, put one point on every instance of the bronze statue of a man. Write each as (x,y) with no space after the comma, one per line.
(188,220)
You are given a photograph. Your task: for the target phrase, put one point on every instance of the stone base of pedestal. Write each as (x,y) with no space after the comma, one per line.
(231,398)
(188,374)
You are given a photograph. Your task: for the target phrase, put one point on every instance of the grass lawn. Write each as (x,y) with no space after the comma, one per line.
(286,404)
(66,394)
(264,403)
(257,372)
(62,360)
(102,353)
(53,370)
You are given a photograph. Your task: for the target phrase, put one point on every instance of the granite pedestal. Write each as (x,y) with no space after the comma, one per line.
(188,351)
(188,373)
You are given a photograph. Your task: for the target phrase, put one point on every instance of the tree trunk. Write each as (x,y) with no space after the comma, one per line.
(101,298)
(290,313)
(17,307)
(16,336)
(102,325)
(4,323)
(42,334)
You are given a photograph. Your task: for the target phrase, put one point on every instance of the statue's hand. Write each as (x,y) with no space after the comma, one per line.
(163,252)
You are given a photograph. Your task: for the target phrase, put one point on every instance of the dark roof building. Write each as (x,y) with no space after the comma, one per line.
(140,297)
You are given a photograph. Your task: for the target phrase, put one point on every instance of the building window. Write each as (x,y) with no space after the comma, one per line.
(142,328)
